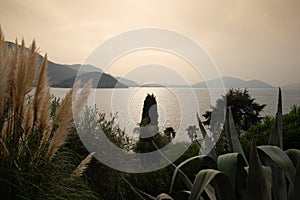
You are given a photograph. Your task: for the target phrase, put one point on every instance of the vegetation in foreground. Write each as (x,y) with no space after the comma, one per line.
(269,173)
(34,161)
(42,156)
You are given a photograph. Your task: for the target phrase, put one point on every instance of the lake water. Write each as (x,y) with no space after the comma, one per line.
(177,107)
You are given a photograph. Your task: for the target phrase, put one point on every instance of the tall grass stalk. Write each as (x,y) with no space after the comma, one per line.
(34,162)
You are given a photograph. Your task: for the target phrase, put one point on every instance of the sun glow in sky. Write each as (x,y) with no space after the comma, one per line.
(248,39)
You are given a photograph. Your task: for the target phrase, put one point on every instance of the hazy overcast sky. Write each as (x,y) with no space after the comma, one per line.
(249,39)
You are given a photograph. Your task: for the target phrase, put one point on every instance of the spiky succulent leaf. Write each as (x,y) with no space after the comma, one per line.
(207,160)
(258,187)
(282,168)
(294,155)
(207,141)
(217,179)
(295,192)
(276,137)
(232,165)
(281,159)
(232,136)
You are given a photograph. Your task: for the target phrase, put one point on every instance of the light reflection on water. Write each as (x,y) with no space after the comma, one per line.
(176,111)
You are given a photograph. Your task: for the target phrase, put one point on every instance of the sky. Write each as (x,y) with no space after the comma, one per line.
(248,39)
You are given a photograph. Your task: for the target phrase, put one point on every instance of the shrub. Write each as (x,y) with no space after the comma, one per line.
(261,130)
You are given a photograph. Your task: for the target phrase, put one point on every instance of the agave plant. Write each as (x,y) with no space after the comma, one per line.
(33,161)
(269,174)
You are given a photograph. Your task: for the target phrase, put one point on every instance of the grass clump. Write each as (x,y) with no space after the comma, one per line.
(34,161)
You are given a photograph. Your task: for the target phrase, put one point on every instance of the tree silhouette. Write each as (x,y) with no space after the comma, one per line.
(170,133)
(192,132)
(148,130)
(149,114)
(244,108)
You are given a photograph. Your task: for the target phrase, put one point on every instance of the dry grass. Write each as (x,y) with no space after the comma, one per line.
(80,169)
(21,66)
(28,136)
(4,54)
(4,149)
(64,122)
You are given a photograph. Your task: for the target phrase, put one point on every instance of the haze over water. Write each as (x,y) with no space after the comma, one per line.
(128,104)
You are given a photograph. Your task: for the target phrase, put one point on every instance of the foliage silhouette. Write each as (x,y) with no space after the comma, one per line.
(246,111)
(148,130)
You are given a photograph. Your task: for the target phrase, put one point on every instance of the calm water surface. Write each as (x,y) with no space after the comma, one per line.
(177,107)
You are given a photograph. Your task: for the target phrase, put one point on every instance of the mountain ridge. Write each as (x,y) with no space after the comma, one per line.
(231,82)
(61,75)
(99,80)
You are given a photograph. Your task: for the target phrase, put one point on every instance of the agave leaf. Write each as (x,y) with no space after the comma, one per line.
(267,171)
(258,187)
(232,165)
(281,167)
(188,183)
(295,192)
(208,160)
(182,175)
(163,196)
(281,159)
(207,141)
(217,179)
(275,137)
(294,155)
(232,136)
(210,192)
(202,129)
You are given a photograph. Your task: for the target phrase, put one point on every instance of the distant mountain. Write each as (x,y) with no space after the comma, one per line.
(105,81)
(292,86)
(56,72)
(127,82)
(62,75)
(230,82)
(153,85)
(84,68)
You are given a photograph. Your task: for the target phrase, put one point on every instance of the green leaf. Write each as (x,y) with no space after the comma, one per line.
(294,155)
(258,187)
(208,160)
(163,196)
(275,137)
(202,129)
(217,179)
(282,168)
(267,174)
(232,165)
(232,136)
(295,192)
(182,175)
(210,191)
(281,159)
(207,141)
